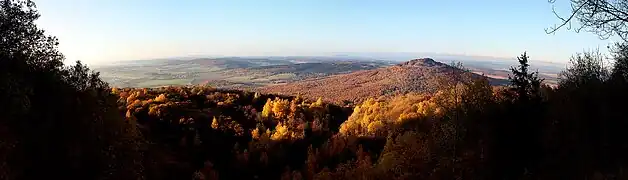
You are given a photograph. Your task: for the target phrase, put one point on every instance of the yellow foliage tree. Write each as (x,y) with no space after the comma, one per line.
(132,97)
(161,98)
(153,110)
(281,132)
(374,116)
(267,110)
(375,126)
(281,108)
(215,124)
(129,114)
(318,103)
(255,134)
(115,90)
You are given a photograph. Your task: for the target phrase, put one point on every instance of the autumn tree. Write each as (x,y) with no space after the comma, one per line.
(268,108)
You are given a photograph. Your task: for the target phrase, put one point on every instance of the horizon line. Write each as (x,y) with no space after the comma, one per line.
(336,54)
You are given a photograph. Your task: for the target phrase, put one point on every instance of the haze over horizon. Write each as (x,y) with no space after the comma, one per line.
(100,32)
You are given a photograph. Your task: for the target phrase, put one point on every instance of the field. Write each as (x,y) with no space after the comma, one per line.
(234,72)
(165,82)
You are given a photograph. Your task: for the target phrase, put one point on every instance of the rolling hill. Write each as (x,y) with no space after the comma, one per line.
(418,75)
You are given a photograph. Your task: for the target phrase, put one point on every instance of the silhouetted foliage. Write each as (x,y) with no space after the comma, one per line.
(525,84)
(585,69)
(620,57)
(57,122)
(605,18)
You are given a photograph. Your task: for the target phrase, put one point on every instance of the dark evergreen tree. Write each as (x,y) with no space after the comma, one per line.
(517,145)
(524,84)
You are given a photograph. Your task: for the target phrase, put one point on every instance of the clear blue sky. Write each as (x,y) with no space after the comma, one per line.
(101,31)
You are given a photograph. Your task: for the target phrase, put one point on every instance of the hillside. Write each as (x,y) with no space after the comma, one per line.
(247,78)
(418,75)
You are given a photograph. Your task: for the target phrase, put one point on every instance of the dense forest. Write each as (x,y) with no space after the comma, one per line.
(63,122)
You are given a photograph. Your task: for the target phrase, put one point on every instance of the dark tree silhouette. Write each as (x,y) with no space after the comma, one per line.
(620,55)
(524,83)
(585,69)
(517,145)
(56,122)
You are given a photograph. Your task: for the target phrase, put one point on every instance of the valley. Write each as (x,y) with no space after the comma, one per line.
(351,78)
(231,73)
(255,72)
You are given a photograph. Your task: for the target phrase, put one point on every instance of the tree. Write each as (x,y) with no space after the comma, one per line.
(57,122)
(23,47)
(524,84)
(267,110)
(585,69)
(620,56)
(518,140)
(215,124)
(605,18)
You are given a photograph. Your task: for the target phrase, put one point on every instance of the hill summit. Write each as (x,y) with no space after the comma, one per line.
(426,62)
(417,75)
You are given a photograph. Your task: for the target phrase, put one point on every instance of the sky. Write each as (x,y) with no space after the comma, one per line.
(104,31)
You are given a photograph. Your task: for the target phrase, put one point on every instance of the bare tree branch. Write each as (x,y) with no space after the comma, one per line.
(564,21)
(606,18)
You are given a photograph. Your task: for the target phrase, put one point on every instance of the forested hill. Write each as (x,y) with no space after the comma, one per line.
(419,75)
